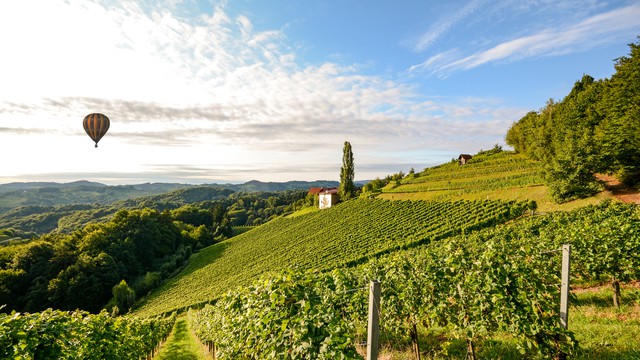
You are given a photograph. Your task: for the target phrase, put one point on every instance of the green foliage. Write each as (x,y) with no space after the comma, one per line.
(605,240)
(292,316)
(54,334)
(221,224)
(344,235)
(52,271)
(123,296)
(148,282)
(192,215)
(619,132)
(347,188)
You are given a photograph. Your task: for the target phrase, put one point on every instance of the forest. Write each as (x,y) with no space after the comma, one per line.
(114,255)
(594,129)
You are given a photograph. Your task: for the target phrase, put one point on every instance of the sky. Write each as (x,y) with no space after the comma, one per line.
(232,91)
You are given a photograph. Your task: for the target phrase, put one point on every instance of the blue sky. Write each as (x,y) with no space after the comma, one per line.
(230,91)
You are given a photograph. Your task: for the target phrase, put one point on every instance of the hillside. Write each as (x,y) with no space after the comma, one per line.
(343,235)
(463,220)
(490,176)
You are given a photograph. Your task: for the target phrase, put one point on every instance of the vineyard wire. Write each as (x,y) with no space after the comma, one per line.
(550,251)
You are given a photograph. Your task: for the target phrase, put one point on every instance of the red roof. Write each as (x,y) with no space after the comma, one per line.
(314,191)
(329,191)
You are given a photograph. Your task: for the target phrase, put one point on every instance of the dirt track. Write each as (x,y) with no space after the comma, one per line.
(619,191)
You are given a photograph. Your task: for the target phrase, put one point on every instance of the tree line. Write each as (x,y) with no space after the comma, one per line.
(594,129)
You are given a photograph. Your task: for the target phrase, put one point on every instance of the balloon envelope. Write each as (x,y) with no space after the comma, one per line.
(96,125)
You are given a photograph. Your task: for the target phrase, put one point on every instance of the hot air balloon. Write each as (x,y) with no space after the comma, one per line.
(96,125)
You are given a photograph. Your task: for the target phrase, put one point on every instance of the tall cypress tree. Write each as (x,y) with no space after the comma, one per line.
(347,188)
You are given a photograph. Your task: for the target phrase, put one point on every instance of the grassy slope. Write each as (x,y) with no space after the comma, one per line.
(505,176)
(182,344)
(347,233)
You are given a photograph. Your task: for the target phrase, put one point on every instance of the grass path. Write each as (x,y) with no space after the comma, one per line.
(181,344)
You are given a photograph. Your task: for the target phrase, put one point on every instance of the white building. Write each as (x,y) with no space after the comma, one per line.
(328,197)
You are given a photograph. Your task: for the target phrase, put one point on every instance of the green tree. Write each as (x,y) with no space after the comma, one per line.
(619,132)
(573,152)
(347,188)
(221,225)
(123,296)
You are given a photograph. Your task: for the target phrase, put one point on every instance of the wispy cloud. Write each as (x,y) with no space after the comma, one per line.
(586,34)
(445,25)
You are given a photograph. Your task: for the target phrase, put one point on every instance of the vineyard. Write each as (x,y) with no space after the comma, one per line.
(500,280)
(495,176)
(53,334)
(481,174)
(503,162)
(343,236)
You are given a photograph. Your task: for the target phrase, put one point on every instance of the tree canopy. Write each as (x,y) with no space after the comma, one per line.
(594,129)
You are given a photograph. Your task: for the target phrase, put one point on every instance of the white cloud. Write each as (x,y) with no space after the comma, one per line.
(586,34)
(205,93)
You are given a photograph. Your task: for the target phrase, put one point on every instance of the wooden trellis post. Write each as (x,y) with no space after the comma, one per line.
(565,289)
(373,331)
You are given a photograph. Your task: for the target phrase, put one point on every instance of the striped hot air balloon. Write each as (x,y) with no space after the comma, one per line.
(96,125)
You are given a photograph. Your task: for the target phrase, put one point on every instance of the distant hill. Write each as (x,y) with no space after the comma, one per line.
(21,186)
(40,208)
(13,195)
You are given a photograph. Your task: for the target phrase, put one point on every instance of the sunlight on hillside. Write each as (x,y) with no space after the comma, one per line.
(501,176)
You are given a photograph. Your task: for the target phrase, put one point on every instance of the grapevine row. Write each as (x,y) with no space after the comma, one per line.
(54,334)
(490,183)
